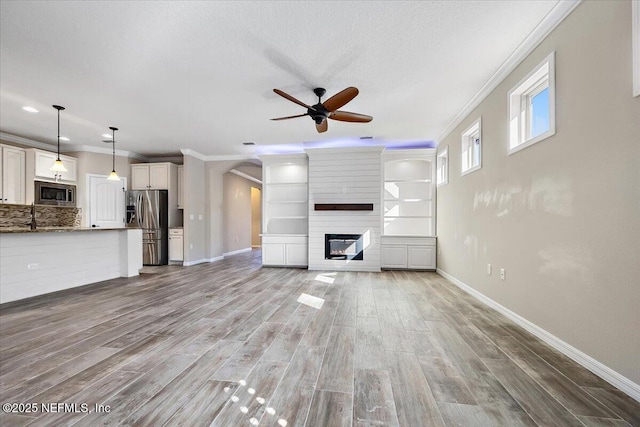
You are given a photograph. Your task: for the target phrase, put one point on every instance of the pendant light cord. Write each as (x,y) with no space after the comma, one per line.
(113,158)
(58,135)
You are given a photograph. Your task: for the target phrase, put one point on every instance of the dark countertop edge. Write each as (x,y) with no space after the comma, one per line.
(18,230)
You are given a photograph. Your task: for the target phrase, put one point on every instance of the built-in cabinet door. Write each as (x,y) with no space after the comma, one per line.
(394,256)
(296,254)
(139,177)
(273,254)
(421,257)
(176,248)
(13,175)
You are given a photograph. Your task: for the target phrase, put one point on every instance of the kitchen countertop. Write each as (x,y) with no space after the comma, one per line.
(56,229)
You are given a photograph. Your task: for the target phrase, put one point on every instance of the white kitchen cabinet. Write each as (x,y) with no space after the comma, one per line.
(150,176)
(43,161)
(176,244)
(416,253)
(13,175)
(180,187)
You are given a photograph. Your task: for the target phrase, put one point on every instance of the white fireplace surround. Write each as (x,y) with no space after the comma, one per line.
(345,175)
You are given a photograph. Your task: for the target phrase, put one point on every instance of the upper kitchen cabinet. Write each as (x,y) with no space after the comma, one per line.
(42,161)
(12,175)
(152,176)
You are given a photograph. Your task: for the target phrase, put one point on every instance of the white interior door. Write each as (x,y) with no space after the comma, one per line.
(107,205)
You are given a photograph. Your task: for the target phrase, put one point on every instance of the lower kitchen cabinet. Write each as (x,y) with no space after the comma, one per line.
(406,252)
(284,250)
(176,245)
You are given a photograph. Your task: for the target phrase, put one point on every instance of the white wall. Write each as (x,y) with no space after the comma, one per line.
(562,216)
(349,175)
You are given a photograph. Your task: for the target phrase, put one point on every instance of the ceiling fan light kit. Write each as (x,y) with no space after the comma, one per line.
(328,109)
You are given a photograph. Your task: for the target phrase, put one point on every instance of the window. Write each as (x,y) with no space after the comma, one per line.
(532,107)
(472,148)
(442,167)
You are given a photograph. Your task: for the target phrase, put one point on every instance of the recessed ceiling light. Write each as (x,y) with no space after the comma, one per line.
(106,135)
(64,138)
(30,109)
(248,143)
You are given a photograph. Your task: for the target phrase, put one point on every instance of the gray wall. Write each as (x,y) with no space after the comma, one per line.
(237,212)
(194,210)
(96,164)
(562,216)
(215,213)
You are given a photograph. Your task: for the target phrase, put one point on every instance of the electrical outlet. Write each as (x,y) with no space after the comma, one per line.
(33,266)
(488,269)
(502,274)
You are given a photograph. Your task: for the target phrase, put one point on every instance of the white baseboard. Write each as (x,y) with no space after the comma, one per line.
(598,368)
(201,261)
(239,251)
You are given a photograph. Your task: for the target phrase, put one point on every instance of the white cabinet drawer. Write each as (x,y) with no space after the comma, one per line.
(176,232)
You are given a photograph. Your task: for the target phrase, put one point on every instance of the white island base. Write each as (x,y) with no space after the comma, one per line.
(39,262)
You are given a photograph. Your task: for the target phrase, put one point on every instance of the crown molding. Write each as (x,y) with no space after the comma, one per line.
(194,153)
(67,148)
(25,141)
(341,150)
(245,176)
(561,10)
(101,150)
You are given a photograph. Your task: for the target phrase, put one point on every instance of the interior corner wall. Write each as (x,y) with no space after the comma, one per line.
(562,216)
(194,210)
(237,212)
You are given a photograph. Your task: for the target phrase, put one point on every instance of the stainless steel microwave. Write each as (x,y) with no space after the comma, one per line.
(49,193)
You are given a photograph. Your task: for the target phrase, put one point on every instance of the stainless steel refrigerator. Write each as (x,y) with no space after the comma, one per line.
(149,210)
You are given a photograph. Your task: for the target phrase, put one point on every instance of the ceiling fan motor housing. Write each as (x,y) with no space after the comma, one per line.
(318,113)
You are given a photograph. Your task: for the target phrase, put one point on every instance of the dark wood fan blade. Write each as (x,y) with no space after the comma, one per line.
(346,116)
(291,117)
(340,99)
(291,98)
(322,127)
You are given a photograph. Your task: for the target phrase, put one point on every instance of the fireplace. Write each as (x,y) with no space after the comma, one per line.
(343,246)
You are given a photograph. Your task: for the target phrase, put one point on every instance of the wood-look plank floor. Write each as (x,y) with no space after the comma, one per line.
(227,344)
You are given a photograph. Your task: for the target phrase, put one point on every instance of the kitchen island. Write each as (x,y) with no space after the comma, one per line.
(49,259)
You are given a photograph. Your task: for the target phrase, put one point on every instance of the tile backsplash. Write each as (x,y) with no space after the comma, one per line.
(46,216)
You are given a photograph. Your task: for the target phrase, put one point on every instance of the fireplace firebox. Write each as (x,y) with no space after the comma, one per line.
(343,246)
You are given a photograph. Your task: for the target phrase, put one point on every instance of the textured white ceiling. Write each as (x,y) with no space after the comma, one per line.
(200,75)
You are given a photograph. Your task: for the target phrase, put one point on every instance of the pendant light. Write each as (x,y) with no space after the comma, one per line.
(113,176)
(57,165)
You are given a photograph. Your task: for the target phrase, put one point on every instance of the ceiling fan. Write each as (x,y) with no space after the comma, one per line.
(327,109)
